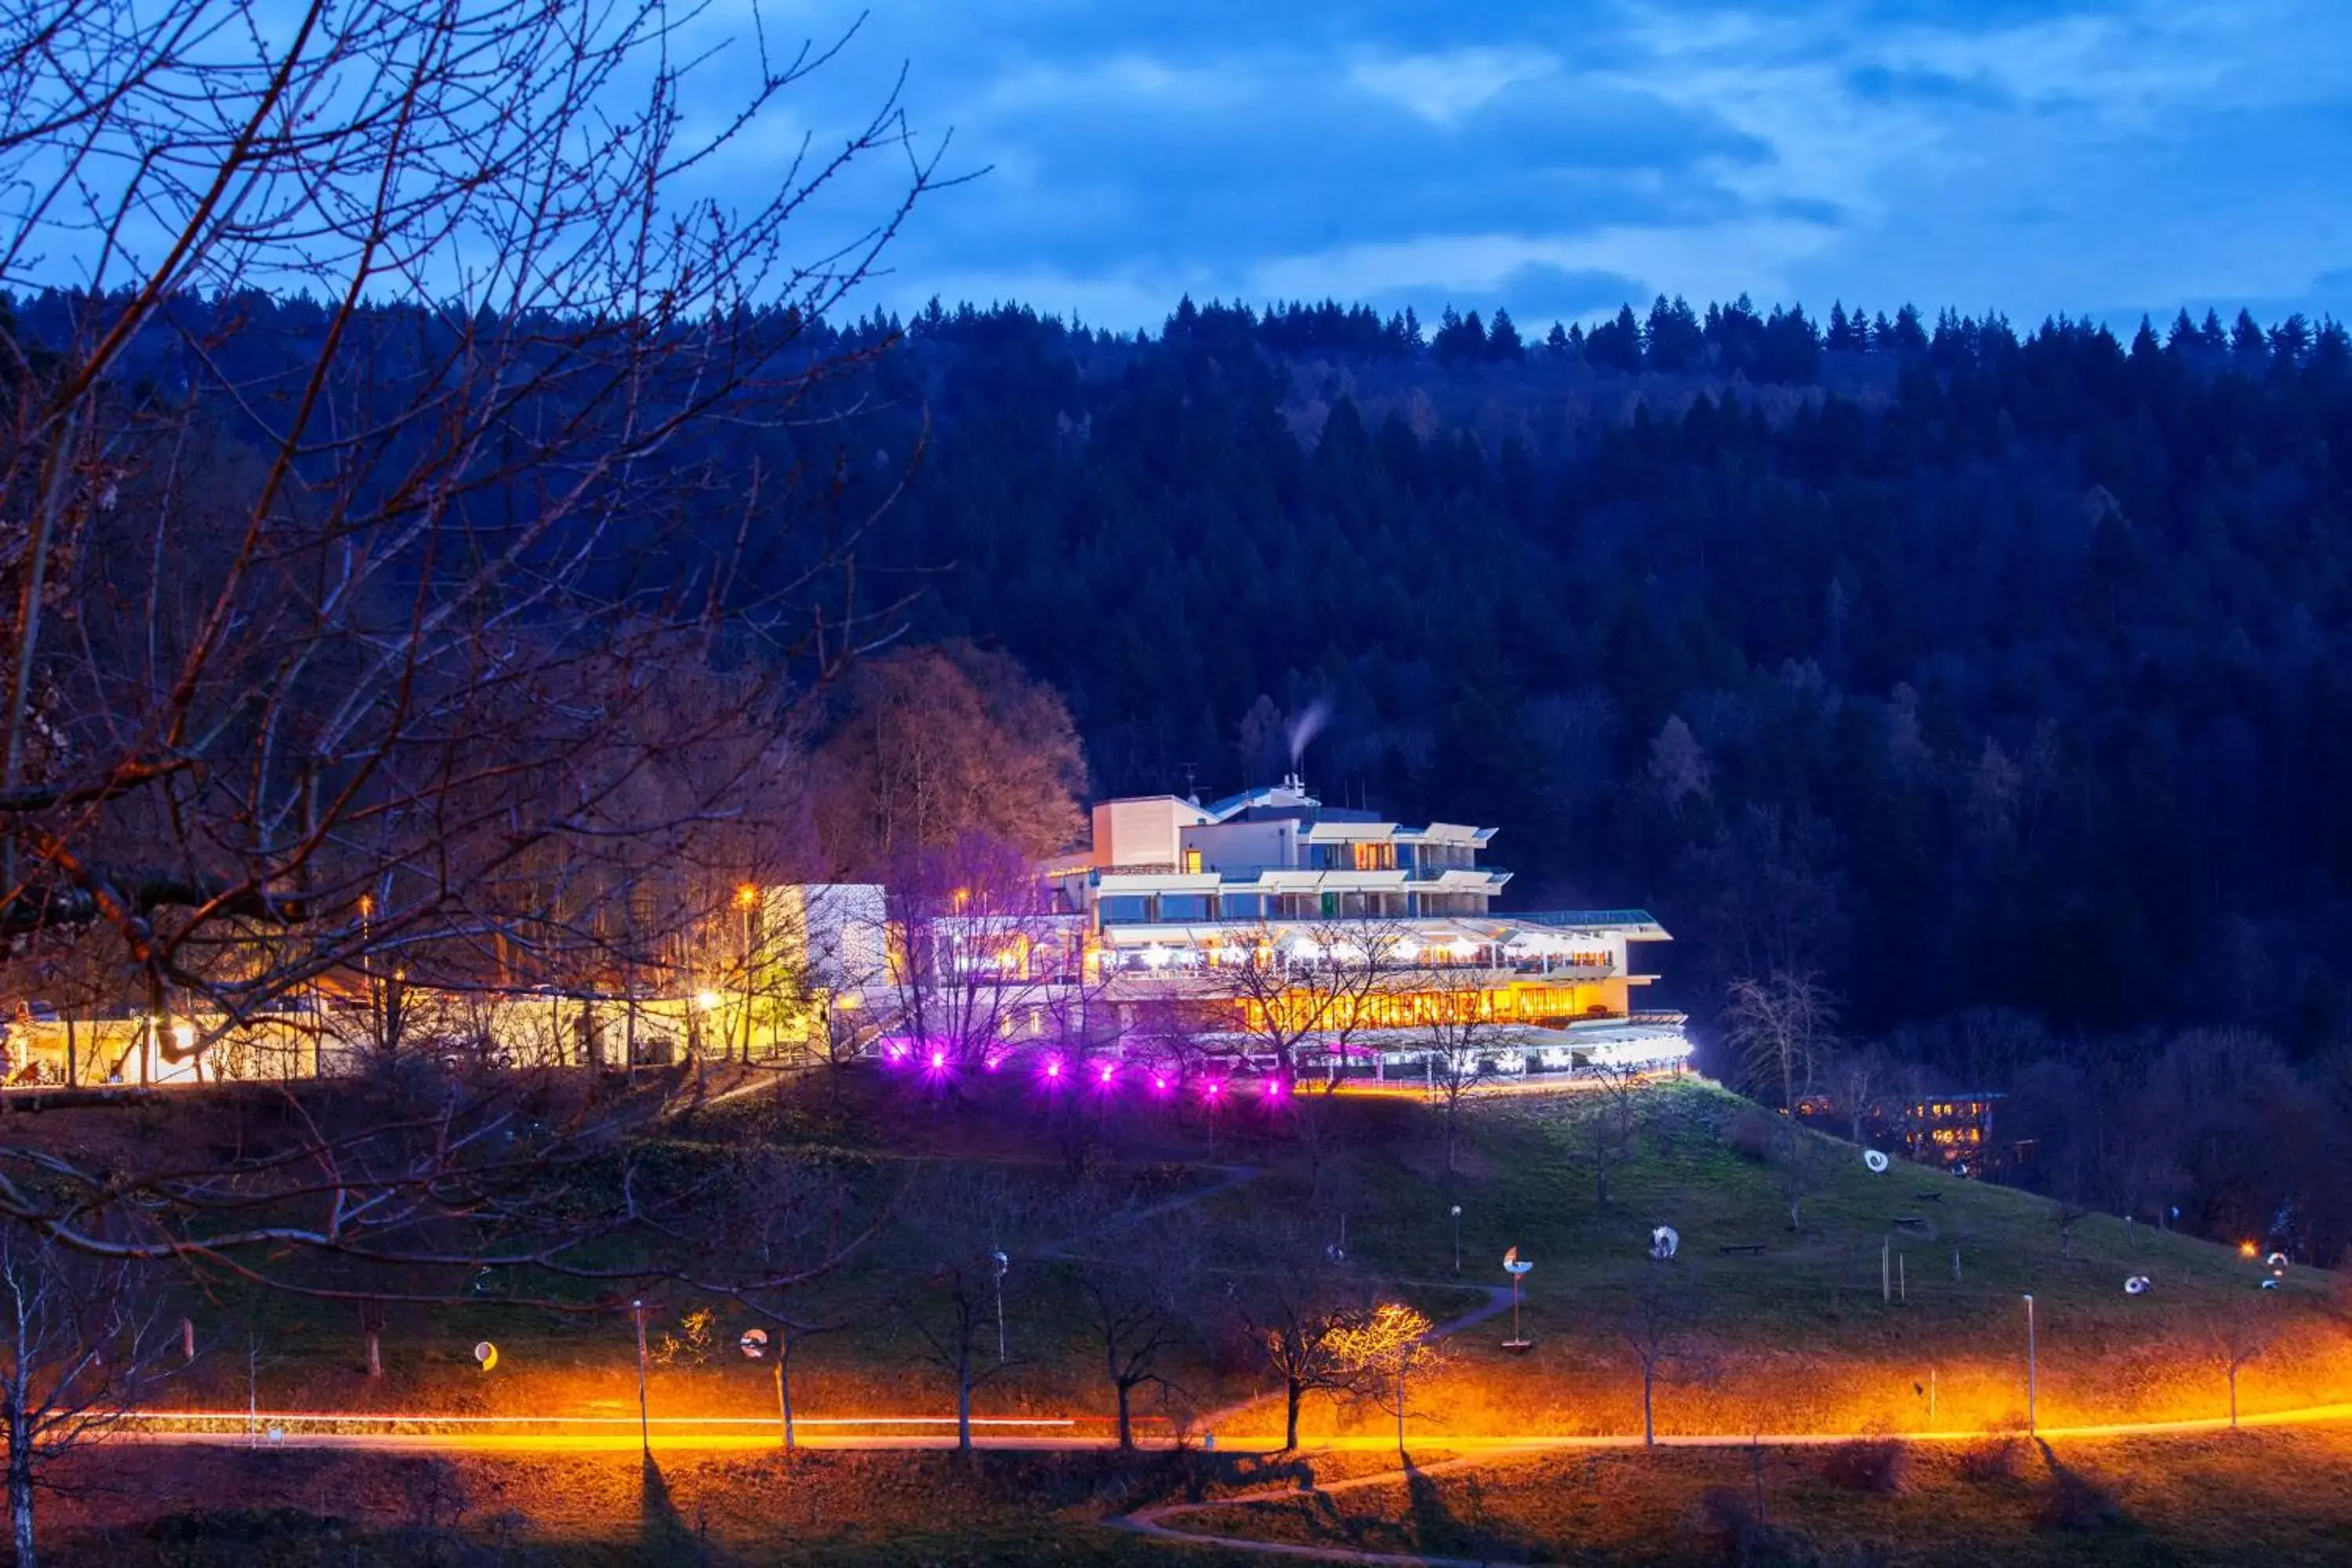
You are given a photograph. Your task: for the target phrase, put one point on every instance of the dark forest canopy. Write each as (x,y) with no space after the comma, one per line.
(1965,667)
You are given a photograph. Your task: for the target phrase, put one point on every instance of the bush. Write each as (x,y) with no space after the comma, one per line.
(1751,1136)
(1738,1535)
(1995,1461)
(1879,1466)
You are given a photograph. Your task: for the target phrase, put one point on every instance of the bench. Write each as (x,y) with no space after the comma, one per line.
(1911,1221)
(1746,1247)
(1927,1198)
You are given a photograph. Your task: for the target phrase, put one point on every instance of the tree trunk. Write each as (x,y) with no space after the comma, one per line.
(20,1488)
(963,1401)
(1126,1424)
(375,1354)
(784,1387)
(1293,1393)
(1449,1139)
(1649,1425)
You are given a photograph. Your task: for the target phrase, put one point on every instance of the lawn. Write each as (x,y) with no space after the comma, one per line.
(1797,1335)
(2274,1496)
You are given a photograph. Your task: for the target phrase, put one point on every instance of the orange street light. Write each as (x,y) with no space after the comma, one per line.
(747,897)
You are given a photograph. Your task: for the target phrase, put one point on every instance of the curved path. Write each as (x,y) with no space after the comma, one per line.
(1153,1522)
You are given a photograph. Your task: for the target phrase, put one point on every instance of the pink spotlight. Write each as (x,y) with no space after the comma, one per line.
(1274,1088)
(1107,1072)
(1159,1085)
(1054,1067)
(1211,1090)
(939,1060)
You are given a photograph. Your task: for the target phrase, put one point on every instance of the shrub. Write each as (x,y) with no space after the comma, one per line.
(1994,1461)
(1880,1465)
(1751,1136)
(1738,1535)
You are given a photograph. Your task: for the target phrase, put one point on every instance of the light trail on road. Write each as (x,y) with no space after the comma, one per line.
(592,1434)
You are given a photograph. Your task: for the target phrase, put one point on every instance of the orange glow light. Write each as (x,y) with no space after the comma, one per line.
(2247,1249)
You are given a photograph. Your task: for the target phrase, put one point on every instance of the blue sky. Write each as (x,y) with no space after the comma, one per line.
(2105,157)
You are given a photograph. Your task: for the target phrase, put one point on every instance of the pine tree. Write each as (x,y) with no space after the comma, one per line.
(1503,338)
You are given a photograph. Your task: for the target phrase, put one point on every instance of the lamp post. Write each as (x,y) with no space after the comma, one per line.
(2032,1366)
(1001,1263)
(1457,1214)
(644,1422)
(1516,1265)
(747,898)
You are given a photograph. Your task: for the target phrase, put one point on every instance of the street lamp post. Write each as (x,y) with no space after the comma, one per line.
(644,1422)
(1456,1213)
(1001,1263)
(2032,1366)
(747,898)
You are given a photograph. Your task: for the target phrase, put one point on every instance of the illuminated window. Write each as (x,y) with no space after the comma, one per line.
(1192,859)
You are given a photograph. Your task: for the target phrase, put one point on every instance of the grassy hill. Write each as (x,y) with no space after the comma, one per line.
(1794,1335)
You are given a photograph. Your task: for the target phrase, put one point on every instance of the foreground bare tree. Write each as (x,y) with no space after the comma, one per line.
(412,647)
(79,1345)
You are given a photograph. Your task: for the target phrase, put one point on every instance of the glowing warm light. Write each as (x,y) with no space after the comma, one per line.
(707,1000)
(183,1036)
(2247,1249)
(1155,956)
(747,897)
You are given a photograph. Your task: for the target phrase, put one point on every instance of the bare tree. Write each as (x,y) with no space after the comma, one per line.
(2239,1334)
(776,1229)
(1859,1072)
(412,640)
(1141,1299)
(79,1345)
(983,963)
(1463,1033)
(1300,1314)
(1779,1025)
(1797,1160)
(1314,988)
(1655,1326)
(967,1228)
(1607,1122)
